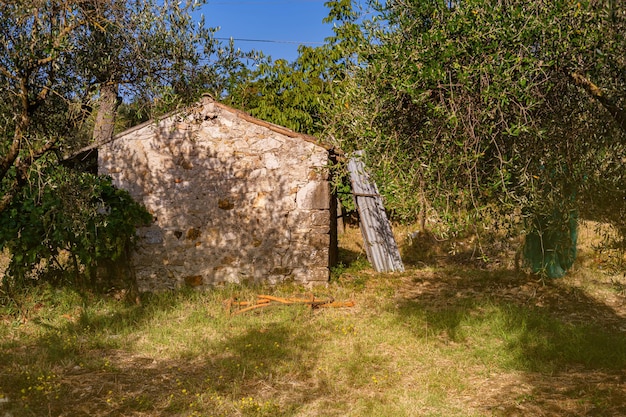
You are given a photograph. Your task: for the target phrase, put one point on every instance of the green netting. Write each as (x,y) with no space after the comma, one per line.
(550,246)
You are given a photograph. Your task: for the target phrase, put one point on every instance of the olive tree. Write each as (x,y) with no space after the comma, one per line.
(502,110)
(63,67)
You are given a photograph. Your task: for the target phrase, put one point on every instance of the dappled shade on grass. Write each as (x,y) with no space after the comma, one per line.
(431,341)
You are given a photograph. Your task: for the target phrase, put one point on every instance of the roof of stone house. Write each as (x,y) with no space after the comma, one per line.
(205,101)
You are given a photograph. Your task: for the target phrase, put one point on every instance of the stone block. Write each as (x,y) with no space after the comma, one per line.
(225,204)
(281,270)
(266,144)
(271,161)
(296,174)
(225,274)
(314,196)
(286,203)
(261,200)
(257,173)
(211,235)
(320,256)
(212,163)
(319,158)
(319,240)
(151,235)
(320,218)
(318,174)
(143,258)
(228,260)
(193,234)
(319,275)
(194,280)
(307,219)
(262,181)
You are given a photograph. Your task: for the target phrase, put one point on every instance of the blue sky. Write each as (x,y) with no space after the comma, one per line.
(285,22)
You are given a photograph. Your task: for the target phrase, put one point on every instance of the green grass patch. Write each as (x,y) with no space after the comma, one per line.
(424,343)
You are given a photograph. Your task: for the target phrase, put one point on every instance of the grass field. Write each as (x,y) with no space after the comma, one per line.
(442,339)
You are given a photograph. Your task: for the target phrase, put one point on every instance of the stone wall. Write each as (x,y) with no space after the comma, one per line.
(233,200)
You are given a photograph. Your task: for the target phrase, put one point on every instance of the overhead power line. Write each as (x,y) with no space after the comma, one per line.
(270,41)
(261,2)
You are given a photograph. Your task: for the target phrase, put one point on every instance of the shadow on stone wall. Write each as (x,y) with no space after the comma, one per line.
(244,206)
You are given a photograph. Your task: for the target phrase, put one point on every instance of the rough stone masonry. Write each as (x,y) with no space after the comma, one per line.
(234,199)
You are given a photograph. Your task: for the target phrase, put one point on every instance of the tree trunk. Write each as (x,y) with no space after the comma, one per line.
(107,109)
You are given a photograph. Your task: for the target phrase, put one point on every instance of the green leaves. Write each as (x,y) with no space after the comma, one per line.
(75,214)
(473,104)
(55,58)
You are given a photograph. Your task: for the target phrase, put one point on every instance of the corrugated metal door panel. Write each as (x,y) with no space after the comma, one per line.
(380,245)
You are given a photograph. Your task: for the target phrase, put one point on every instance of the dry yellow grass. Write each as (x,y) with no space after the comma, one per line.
(442,339)
(4,262)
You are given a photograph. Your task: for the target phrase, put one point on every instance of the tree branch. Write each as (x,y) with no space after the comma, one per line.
(22,167)
(22,124)
(9,195)
(596,92)
(9,158)
(56,43)
(8,74)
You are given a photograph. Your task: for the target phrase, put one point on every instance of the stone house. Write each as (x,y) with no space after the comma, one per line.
(234,199)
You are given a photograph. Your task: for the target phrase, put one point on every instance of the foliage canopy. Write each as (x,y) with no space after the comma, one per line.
(62,65)
(489,108)
(472,112)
